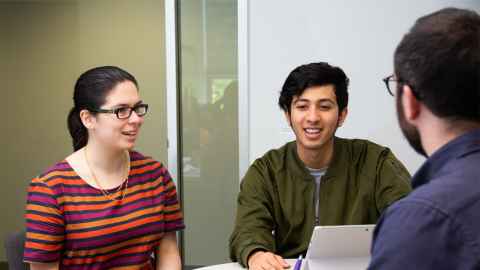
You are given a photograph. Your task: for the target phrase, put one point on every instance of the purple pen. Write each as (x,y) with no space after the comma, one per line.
(298,263)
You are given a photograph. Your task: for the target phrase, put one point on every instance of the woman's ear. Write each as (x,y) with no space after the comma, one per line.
(87,119)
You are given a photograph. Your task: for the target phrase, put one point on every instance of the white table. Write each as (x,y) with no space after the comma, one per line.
(324,264)
(237,266)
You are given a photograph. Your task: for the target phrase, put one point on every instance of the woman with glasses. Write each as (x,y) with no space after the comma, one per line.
(104,206)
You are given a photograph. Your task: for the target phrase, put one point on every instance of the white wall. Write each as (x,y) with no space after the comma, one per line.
(358,36)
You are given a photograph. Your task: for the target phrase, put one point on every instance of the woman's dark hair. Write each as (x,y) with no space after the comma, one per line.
(90,92)
(310,75)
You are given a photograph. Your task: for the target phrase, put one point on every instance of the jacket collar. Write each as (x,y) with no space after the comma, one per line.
(456,148)
(295,165)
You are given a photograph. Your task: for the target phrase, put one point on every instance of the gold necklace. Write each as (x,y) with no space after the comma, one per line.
(104,191)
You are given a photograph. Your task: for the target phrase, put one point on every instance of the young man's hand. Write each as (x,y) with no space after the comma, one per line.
(264,260)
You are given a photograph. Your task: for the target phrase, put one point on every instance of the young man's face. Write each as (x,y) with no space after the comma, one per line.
(314,117)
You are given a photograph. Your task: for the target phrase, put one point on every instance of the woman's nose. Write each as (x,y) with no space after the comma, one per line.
(134,118)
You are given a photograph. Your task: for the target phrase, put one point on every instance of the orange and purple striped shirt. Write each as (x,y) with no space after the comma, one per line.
(74,223)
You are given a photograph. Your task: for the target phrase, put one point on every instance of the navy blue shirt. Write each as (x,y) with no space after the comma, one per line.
(437,226)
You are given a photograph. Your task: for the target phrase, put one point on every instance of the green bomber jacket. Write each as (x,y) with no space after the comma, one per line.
(275,206)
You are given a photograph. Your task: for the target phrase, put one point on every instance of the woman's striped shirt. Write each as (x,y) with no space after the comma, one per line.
(74,223)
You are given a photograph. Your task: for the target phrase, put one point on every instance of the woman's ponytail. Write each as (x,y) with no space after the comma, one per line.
(77,129)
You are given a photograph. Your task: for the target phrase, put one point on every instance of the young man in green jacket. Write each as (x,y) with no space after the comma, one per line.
(318,179)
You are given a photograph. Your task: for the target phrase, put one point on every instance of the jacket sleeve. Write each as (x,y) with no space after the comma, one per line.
(393,181)
(254,221)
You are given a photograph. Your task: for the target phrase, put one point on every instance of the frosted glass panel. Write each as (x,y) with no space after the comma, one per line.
(209,127)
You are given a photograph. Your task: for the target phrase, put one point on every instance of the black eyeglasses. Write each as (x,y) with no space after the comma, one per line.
(391,82)
(125,112)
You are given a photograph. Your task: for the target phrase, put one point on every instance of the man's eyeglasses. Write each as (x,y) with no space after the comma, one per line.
(391,82)
(125,112)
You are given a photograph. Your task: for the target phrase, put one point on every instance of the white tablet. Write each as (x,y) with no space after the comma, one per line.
(347,241)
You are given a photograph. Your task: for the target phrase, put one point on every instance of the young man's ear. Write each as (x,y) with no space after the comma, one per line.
(287,116)
(342,116)
(410,104)
(87,118)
